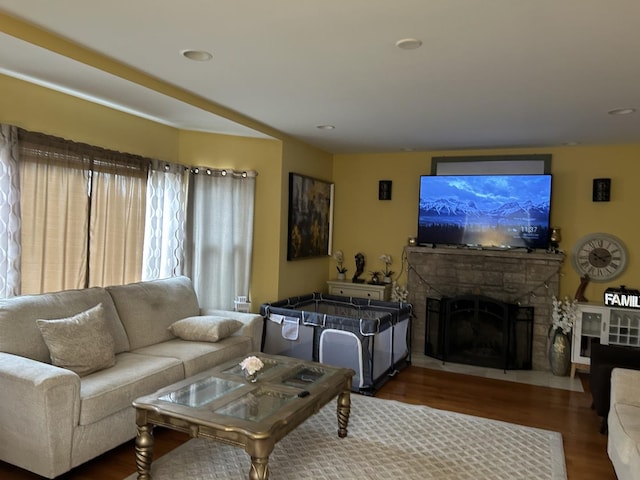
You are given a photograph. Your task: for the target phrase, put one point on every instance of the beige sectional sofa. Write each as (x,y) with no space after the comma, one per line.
(52,418)
(623,444)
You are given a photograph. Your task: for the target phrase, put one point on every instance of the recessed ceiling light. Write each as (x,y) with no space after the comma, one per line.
(197,55)
(571,143)
(326,127)
(622,111)
(409,43)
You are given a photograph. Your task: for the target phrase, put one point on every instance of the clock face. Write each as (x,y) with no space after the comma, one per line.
(601,256)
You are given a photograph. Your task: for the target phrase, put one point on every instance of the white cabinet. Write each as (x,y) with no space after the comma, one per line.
(606,325)
(624,327)
(360,290)
(589,324)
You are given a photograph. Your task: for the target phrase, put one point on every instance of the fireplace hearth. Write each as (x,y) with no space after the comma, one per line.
(478,330)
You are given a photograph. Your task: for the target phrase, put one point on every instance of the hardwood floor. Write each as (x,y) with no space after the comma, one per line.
(564,411)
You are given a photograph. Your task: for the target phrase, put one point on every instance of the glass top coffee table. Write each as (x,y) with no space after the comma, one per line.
(222,405)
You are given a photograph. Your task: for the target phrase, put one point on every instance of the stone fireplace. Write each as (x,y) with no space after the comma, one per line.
(519,277)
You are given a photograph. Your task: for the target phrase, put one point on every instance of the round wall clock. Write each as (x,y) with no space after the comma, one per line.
(601,256)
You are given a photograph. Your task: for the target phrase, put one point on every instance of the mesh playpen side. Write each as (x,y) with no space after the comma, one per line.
(371,337)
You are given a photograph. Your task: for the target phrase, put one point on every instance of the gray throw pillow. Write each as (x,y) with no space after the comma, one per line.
(205,328)
(81,343)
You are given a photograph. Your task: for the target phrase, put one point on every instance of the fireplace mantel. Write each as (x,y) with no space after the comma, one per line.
(513,276)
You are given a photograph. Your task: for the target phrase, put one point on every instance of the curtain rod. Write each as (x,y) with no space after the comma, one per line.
(84,148)
(218,172)
(223,172)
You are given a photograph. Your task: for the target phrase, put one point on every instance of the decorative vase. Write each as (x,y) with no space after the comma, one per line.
(560,353)
(341,276)
(252,377)
(386,280)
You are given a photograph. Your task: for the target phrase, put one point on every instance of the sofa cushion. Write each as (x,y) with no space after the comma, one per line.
(81,343)
(199,356)
(108,391)
(148,308)
(18,315)
(205,328)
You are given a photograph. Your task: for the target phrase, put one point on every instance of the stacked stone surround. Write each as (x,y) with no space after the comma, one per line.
(528,279)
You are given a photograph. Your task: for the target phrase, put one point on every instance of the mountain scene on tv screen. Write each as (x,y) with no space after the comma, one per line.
(485,210)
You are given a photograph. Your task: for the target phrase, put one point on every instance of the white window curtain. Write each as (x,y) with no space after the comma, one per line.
(165,224)
(9,213)
(220,229)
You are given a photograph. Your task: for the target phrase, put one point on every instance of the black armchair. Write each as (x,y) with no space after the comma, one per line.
(605,358)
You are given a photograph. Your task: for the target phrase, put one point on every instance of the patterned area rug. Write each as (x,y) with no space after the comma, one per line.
(386,439)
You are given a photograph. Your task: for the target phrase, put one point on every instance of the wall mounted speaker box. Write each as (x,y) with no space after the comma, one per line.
(601,189)
(384,190)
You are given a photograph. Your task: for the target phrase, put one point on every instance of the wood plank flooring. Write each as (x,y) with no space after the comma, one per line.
(541,407)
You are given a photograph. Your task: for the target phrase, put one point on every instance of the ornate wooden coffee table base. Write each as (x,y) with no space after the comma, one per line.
(254,416)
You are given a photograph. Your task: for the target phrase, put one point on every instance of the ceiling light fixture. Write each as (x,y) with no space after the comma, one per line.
(326,127)
(409,43)
(197,55)
(622,111)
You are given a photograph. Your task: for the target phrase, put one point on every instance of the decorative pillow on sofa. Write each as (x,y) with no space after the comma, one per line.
(205,328)
(81,343)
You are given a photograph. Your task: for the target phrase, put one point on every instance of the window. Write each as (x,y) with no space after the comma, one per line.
(83,211)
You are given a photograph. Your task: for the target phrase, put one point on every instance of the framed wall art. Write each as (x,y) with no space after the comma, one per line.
(310,217)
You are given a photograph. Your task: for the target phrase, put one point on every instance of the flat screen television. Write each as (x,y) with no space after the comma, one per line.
(499,211)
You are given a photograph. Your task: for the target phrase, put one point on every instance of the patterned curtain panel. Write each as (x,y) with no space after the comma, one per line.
(165,224)
(9,213)
(220,230)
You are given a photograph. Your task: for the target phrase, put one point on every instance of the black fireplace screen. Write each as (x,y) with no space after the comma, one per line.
(478,330)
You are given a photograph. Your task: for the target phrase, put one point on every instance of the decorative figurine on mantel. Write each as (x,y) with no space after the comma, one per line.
(359,268)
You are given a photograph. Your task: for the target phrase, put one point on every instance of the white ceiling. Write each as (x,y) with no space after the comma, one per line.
(492,73)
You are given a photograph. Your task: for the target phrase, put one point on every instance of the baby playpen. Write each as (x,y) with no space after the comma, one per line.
(371,337)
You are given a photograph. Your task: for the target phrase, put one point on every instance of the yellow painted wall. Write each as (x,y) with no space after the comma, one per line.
(43,110)
(364,223)
(307,275)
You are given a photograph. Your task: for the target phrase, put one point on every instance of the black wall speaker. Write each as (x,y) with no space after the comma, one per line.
(601,189)
(384,190)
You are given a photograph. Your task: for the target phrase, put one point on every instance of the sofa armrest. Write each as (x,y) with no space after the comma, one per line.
(39,408)
(253,324)
(625,386)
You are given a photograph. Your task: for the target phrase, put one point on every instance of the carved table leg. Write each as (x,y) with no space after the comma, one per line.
(344,408)
(144,451)
(259,468)
(259,450)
